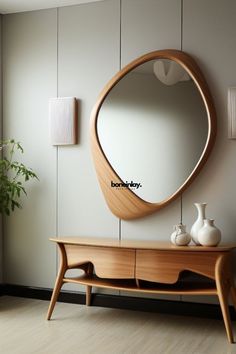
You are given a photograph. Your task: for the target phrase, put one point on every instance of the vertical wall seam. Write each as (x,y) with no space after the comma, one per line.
(57,48)
(181,209)
(120,37)
(1,83)
(1,117)
(181,24)
(181,48)
(120,236)
(57,151)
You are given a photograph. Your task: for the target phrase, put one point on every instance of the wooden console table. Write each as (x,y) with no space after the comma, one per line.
(148,267)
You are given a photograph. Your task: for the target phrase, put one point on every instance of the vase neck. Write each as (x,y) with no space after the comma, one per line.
(208,222)
(181,228)
(201,210)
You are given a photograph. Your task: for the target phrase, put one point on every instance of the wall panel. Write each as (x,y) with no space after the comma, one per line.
(209,35)
(147,26)
(29,79)
(88,41)
(88,57)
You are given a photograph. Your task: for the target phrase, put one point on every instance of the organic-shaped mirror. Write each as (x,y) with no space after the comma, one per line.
(152,130)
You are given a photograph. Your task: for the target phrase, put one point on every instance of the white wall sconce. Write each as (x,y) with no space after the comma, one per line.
(169,72)
(232,112)
(63,120)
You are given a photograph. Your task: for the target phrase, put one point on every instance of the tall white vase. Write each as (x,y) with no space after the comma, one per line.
(209,235)
(201,207)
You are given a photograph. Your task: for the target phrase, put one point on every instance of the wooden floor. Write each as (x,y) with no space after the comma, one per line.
(77,329)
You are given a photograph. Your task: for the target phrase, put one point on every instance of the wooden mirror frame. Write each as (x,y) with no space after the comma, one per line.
(124,203)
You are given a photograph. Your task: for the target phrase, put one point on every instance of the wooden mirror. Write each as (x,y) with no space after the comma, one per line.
(152,130)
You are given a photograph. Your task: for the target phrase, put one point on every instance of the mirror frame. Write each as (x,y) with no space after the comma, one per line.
(124,203)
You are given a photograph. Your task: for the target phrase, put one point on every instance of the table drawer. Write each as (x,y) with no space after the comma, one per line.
(165,266)
(108,262)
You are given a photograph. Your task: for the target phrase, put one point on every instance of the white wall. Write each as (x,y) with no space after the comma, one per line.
(29,79)
(67,200)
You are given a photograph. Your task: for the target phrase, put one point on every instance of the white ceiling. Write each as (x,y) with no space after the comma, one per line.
(10,6)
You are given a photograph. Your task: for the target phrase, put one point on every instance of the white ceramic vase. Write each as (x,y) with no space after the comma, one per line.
(201,207)
(209,234)
(180,237)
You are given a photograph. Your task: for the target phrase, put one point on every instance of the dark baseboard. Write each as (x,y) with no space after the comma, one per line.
(121,302)
(2,289)
(43,293)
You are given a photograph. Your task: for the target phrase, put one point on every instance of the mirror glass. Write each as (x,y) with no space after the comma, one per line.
(153,129)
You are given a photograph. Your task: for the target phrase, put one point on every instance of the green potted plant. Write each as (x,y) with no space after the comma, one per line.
(13,176)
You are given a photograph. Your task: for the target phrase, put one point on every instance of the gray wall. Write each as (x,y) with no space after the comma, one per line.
(68,200)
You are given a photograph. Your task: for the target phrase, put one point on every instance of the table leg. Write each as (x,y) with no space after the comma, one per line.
(233,295)
(88,295)
(89,271)
(59,281)
(223,285)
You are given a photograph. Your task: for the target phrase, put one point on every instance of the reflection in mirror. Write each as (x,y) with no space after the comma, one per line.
(153,128)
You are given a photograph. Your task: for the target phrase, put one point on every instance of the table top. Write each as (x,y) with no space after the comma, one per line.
(138,244)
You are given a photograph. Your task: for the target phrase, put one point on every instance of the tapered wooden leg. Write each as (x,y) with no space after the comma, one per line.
(223,285)
(89,271)
(88,295)
(223,298)
(58,283)
(233,295)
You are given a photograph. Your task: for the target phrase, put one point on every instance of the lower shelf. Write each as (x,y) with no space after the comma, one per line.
(179,288)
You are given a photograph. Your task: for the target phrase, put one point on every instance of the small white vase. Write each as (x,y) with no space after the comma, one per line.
(180,237)
(209,234)
(199,222)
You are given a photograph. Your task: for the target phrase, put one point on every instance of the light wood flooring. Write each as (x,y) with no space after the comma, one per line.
(77,329)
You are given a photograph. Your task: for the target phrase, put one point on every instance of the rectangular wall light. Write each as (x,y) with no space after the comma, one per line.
(232,112)
(63,120)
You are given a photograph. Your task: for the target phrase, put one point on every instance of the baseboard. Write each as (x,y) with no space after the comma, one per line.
(43,293)
(2,289)
(121,302)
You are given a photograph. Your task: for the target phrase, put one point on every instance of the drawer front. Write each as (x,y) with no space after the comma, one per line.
(108,262)
(165,266)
